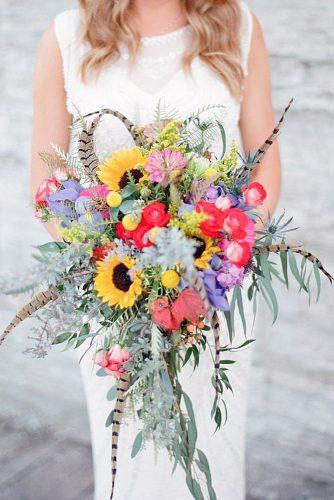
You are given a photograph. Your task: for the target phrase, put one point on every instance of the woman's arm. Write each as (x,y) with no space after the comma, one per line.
(51,119)
(257,119)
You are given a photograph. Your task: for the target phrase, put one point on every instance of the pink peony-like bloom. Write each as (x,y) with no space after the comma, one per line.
(238,253)
(223,203)
(46,188)
(112,362)
(160,164)
(254,194)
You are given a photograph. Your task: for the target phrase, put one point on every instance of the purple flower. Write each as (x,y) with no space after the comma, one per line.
(212,193)
(185,208)
(230,275)
(215,292)
(58,202)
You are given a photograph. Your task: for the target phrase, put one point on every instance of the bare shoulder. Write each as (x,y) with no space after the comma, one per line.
(49,60)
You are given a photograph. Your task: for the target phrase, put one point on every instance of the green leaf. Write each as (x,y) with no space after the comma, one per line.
(101,373)
(223,136)
(241,308)
(270,297)
(112,393)
(218,418)
(137,444)
(166,382)
(317,279)
(284,263)
(110,419)
(227,362)
(193,486)
(51,247)
(63,337)
(187,356)
(295,270)
(189,407)
(264,265)
(114,213)
(196,355)
(127,206)
(128,191)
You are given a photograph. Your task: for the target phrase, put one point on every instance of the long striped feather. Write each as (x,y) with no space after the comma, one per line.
(277,248)
(122,387)
(86,147)
(248,167)
(40,300)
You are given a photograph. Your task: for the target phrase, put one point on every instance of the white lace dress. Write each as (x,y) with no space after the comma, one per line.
(157,76)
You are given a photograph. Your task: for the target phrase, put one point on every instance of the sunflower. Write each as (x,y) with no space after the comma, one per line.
(205,249)
(114,171)
(114,284)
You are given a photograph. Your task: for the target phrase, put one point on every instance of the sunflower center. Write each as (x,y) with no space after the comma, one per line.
(121,278)
(200,247)
(124,180)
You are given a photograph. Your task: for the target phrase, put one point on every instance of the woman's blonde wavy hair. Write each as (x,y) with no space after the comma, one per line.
(216,36)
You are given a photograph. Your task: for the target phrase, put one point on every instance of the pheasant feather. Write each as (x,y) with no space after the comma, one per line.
(296,249)
(40,300)
(123,385)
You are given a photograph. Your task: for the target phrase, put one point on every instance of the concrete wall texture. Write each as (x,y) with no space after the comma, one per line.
(43,424)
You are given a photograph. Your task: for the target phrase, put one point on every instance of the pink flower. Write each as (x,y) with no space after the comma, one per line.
(223,203)
(160,164)
(235,223)
(46,188)
(98,194)
(238,253)
(112,362)
(60,174)
(254,194)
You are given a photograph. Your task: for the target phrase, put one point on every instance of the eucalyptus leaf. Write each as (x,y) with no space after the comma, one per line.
(295,270)
(317,279)
(110,419)
(112,393)
(127,206)
(137,444)
(241,308)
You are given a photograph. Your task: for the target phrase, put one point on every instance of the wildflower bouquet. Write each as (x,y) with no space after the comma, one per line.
(153,240)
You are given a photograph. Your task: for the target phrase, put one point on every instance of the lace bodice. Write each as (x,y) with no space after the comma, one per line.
(157,76)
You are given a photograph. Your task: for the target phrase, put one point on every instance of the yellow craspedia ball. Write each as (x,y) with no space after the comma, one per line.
(210,172)
(114,199)
(129,223)
(170,279)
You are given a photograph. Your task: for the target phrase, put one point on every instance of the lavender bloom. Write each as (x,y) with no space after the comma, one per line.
(230,275)
(212,193)
(69,193)
(215,292)
(185,208)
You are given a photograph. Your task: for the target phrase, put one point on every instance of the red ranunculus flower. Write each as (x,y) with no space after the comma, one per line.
(213,225)
(155,214)
(122,233)
(235,223)
(254,194)
(140,237)
(99,253)
(238,253)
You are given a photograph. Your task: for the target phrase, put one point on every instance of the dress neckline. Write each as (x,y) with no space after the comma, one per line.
(166,37)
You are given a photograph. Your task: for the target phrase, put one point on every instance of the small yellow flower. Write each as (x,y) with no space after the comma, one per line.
(114,199)
(130,223)
(210,172)
(170,279)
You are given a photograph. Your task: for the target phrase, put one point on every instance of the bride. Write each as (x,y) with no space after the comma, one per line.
(132,56)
